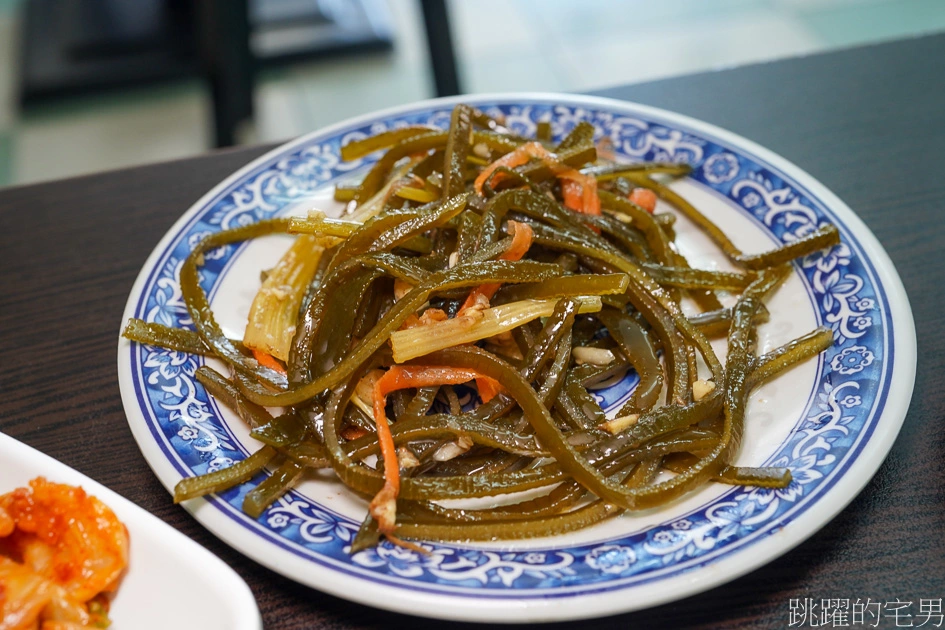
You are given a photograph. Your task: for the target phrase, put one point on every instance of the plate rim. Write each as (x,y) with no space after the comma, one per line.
(532,608)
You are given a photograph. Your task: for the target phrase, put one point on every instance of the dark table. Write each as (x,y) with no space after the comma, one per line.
(867,122)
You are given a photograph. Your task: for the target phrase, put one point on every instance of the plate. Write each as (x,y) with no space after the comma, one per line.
(171,582)
(831,420)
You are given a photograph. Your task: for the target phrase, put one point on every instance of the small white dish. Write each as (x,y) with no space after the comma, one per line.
(171,581)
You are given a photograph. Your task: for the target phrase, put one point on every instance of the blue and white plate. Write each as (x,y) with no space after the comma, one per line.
(831,420)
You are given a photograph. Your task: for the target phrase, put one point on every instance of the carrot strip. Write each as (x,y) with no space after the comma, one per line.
(580,192)
(573,193)
(268,361)
(521,240)
(643,197)
(488,388)
(481,295)
(591,198)
(384,505)
(519,156)
(522,236)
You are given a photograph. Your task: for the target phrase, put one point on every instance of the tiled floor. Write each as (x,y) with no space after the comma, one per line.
(503,45)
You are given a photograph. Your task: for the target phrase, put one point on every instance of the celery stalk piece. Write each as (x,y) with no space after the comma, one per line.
(420,340)
(275,309)
(420,195)
(317,223)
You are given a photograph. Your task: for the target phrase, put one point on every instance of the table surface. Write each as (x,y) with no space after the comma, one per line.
(867,122)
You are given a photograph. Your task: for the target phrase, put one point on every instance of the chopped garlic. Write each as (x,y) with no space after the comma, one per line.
(432,316)
(454,258)
(475,310)
(406,458)
(617,425)
(594,356)
(702,388)
(623,218)
(482,150)
(453,449)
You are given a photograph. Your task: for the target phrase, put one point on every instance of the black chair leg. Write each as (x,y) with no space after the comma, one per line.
(440,43)
(223,32)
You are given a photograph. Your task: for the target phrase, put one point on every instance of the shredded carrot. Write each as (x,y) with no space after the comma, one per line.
(579,190)
(573,193)
(481,295)
(488,388)
(591,198)
(522,235)
(643,197)
(384,505)
(521,155)
(268,361)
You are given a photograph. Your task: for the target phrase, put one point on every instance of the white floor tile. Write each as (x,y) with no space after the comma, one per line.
(333,92)
(575,24)
(132,131)
(281,111)
(409,36)
(490,28)
(518,73)
(697,46)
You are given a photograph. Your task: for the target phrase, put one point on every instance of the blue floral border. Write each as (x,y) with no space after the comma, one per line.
(850,391)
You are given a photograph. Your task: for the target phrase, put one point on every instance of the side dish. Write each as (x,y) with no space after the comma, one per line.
(437,341)
(62,553)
